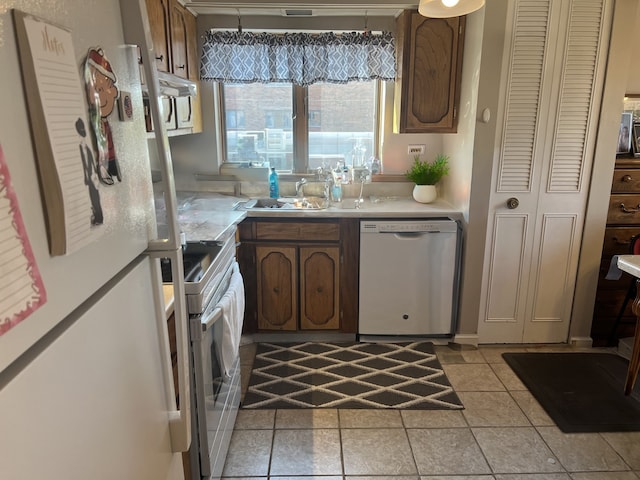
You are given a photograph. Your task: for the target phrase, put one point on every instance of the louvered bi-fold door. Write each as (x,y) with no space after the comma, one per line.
(555,51)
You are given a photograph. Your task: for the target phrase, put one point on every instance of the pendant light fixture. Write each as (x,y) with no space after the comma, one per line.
(448,8)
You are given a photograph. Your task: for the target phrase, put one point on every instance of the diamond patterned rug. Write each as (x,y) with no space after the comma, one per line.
(349,375)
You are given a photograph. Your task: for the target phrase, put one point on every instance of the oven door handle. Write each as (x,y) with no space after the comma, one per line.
(211,319)
(214,312)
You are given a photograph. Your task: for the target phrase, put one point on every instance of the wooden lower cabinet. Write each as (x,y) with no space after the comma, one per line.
(277,287)
(299,276)
(292,276)
(319,288)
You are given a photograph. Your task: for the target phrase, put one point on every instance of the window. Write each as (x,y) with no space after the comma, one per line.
(340,127)
(234,119)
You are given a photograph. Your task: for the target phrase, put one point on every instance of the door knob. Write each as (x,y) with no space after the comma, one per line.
(513,203)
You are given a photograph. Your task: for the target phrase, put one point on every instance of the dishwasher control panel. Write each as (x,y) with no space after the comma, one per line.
(400,226)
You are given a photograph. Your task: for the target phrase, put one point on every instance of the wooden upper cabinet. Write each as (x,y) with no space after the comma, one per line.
(179,40)
(174,35)
(429,59)
(193,61)
(158,12)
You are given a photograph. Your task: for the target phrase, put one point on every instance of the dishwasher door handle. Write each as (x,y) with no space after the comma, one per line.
(411,235)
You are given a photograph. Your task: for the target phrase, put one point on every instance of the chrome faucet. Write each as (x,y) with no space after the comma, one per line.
(299,185)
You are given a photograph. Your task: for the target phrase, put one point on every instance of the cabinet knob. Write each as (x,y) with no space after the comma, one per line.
(319,290)
(627,178)
(181,67)
(161,58)
(276,290)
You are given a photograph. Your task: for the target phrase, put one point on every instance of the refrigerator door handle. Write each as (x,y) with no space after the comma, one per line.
(137,32)
(179,418)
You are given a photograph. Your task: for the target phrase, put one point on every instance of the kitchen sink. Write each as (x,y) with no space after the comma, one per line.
(286,203)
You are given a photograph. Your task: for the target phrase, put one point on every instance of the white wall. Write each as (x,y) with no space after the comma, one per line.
(456,187)
(633,84)
(488,96)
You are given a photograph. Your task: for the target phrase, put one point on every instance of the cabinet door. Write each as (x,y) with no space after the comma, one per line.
(184,111)
(179,56)
(158,12)
(191,35)
(319,288)
(428,88)
(277,288)
(186,64)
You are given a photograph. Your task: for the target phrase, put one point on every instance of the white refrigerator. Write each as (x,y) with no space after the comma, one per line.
(86,389)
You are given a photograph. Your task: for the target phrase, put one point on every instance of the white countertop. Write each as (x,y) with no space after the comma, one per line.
(204,215)
(208,216)
(395,207)
(630,264)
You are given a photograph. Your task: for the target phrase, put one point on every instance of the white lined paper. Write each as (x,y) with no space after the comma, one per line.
(61,104)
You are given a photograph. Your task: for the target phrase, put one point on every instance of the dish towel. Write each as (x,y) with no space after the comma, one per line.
(232,306)
(614,272)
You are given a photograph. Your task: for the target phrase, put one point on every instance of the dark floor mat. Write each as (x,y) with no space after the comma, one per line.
(581,392)
(349,375)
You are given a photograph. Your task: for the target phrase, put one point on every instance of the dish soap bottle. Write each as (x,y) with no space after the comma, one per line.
(274,190)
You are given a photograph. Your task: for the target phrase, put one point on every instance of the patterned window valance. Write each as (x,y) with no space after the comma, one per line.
(301,58)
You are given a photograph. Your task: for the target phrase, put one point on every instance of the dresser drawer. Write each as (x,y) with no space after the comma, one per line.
(617,240)
(626,180)
(624,209)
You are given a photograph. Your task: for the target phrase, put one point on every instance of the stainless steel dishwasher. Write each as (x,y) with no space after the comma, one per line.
(408,277)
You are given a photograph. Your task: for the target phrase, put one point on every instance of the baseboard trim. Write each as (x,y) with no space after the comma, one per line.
(278,337)
(466,339)
(581,342)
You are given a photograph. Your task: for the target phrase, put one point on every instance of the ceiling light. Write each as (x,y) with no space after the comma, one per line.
(448,8)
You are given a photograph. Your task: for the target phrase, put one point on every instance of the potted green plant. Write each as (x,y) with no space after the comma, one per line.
(425,175)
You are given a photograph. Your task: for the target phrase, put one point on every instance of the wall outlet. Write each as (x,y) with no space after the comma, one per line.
(415,149)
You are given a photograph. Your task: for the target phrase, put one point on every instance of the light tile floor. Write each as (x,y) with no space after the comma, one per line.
(502,434)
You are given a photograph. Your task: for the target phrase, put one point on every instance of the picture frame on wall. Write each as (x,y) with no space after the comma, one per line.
(624,134)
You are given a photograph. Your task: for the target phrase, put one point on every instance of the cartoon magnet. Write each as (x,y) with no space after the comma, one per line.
(102,93)
(88,166)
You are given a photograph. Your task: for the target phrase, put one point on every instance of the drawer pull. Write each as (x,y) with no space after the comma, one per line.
(619,242)
(627,178)
(629,210)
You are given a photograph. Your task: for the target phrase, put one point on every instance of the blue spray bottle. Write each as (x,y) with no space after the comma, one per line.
(274,189)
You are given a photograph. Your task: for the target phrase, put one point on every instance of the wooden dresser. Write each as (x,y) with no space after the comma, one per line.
(623,222)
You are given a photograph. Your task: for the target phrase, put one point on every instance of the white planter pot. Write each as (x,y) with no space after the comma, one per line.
(424,193)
